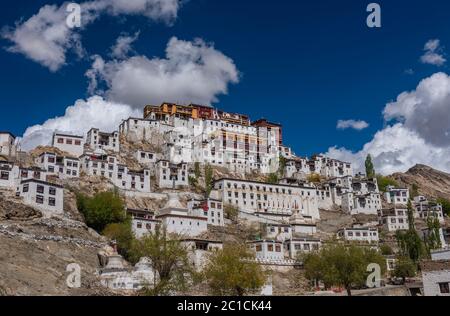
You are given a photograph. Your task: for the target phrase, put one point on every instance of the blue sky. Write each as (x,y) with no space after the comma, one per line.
(306,64)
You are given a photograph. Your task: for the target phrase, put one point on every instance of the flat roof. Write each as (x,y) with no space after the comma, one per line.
(264,183)
(8,133)
(42,182)
(67,135)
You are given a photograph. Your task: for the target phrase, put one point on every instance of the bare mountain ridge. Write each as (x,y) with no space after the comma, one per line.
(431,182)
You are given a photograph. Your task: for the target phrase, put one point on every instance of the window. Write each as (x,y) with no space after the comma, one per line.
(52,191)
(52,201)
(39,199)
(4,175)
(26,188)
(444,288)
(60,141)
(269,247)
(78,142)
(258,248)
(40,189)
(69,142)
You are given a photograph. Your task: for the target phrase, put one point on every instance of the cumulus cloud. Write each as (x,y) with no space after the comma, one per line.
(192,71)
(122,47)
(78,119)
(433,53)
(46,39)
(354,124)
(420,133)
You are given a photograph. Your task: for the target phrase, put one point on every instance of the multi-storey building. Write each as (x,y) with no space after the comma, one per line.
(393,219)
(363,197)
(100,141)
(139,129)
(147,158)
(11,175)
(45,196)
(171,176)
(70,144)
(210,208)
(396,196)
(7,144)
(178,220)
(359,234)
(143,222)
(119,174)
(62,166)
(297,246)
(266,198)
(425,208)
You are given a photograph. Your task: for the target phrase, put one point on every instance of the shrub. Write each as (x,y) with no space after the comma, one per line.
(102,209)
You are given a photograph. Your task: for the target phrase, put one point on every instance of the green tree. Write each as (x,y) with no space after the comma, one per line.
(370,169)
(231,212)
(414,190)
(122,233)
(272,178)
(197,171)
(433,239)
(169,261)
(209,178)
(102,209)
(340,265)
(405,268)
(445,205)
(193,182)
(386,250)
(410,245)
(384,182)
(314,178)
(282,165)
(232,271)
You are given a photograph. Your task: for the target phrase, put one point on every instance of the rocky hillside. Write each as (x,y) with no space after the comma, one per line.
(35,251)
(430,182)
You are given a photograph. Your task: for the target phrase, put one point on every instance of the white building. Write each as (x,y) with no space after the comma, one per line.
(177,220)
(425,234)
(171,176)
(147,158)
(359,234)
(139,129)
(120,175)
(210,208)
(436,278)
(11,175)
(143,222)
(297,246)
(396,196)
(199,250)
(62,166)
(45,196)
(71,144)
(364,197)
(100,141)
(425,208)
(267,250)
(393,219)
(279,232)
(266,198)
(7,144)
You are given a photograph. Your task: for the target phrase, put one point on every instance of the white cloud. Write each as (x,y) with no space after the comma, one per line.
(433,53)
(354,124)
(122,47)
(192,71)
(46,39)
(78,119)
(420,135)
